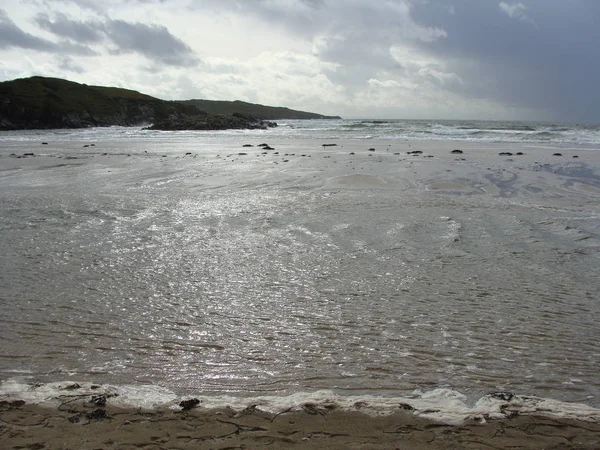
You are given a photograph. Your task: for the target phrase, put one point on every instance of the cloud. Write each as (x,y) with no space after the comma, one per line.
(153,41)
(356,57)
(66,63)
(516,11)
(424,68)
(13,36)
(61,25)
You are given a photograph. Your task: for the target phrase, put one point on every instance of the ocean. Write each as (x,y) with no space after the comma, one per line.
(337,263)
(543,133)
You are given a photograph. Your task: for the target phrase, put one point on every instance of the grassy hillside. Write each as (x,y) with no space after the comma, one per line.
(40,102)
(252,109)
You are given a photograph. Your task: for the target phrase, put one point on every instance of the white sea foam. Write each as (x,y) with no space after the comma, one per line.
(551,134)
(440,405)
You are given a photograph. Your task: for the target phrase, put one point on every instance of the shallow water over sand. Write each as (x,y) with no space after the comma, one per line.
(131,261)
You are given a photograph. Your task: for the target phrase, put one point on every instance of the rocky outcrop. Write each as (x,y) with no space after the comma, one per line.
(44,103)
(211,122)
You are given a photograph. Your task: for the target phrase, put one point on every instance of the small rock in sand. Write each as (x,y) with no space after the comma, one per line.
(186,405)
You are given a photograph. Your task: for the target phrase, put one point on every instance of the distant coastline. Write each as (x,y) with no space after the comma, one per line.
(53,103)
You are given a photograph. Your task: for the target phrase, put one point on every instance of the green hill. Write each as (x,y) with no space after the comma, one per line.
(39,102)
(42,103)
(252,109)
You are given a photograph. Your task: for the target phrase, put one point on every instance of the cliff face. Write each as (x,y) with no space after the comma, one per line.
(43,103)
(38,102)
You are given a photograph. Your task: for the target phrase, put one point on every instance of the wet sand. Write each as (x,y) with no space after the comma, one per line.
(75,426)
(538,178)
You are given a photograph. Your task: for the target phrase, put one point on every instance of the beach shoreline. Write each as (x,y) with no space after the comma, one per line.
(426,189)
(70,415)
(310,426)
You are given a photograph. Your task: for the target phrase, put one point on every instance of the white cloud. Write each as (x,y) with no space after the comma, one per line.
(517,11)
(514,10)
(422,68)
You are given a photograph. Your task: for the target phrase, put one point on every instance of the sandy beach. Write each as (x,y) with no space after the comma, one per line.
(309,426)
(299,224)
(435,174)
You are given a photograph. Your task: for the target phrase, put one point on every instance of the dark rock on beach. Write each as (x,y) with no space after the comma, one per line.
(506,396)
(98,400)
(96,414)
(177,122)
(186,405)
(11,404)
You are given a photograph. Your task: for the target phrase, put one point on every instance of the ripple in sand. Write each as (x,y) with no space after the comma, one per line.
(448,186)
(357,181)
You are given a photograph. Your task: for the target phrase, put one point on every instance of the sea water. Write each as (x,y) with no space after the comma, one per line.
(174,260)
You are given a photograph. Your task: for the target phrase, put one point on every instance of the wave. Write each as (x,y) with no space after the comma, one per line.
(546,134)
(356,125)
(441,405)
(556,134)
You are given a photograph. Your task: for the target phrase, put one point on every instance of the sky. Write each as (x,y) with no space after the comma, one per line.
(404,59)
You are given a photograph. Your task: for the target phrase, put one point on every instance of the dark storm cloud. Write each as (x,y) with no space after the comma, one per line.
(153,41)
(535,54)
(61,25)
(539,54)
(12,36)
